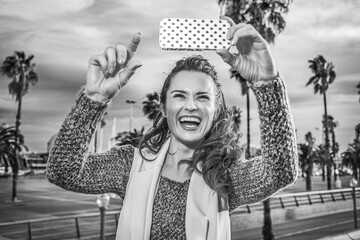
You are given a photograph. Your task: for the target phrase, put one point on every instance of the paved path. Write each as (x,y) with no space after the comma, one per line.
(40,199)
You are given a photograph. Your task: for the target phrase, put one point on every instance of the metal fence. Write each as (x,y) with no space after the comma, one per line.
(302,198)
(87,226)
(80,226)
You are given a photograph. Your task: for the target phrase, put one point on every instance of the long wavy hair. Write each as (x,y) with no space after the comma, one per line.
(220,146)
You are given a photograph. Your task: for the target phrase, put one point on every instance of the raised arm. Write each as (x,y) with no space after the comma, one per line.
(70,166)
(256,179)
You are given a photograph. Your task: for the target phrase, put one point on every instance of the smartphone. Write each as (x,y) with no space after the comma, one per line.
(193,34)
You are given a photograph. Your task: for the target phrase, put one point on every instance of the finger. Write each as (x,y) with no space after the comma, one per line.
(125,75)
(247,31)
(99,61)
(223,17)
(226,56)
(233,29)
(110,55)
(121,53)
(133,45)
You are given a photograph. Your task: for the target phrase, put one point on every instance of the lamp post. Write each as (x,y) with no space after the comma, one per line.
(353,184)
(102,201)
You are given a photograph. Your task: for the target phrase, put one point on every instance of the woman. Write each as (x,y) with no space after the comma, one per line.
(188,172)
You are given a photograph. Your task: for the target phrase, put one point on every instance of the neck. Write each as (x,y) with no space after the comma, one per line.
(177,152)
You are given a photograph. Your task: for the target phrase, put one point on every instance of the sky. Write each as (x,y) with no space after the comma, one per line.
(64,34)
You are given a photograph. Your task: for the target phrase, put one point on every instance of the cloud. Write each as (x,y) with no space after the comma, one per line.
(36,10)
(64,34)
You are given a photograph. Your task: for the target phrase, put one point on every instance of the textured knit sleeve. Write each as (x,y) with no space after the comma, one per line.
(71,167)
(258,178)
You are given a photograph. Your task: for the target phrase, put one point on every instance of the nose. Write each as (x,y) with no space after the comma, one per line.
(191,105)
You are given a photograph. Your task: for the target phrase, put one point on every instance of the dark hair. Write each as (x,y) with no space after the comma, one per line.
(220,146)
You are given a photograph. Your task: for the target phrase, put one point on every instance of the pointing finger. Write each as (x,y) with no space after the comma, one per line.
(133,45)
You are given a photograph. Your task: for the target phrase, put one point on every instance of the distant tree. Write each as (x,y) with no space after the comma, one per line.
(133,137)
(10,144)
(332,124)
(351,158)
(324,75)
(235,114)
(358,87)
(21,72)
(151,106)
(306,158)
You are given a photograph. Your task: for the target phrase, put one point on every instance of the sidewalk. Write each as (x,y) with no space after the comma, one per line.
(354,235)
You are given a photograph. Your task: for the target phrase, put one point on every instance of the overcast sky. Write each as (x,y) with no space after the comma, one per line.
(64,34)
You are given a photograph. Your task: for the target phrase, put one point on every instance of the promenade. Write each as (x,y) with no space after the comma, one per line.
(40,199)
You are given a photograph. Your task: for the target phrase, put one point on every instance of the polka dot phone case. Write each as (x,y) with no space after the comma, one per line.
(193,34)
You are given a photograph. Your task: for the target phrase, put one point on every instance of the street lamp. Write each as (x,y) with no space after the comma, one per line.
(102,201)
(353,185)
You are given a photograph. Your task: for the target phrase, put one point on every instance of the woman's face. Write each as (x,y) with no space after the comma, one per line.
(190,106)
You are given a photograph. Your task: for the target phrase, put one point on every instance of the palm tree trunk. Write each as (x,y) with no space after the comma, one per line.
(248,124)
(17,162)
(333,142)
(355,171)
(327,144)
(308,181)
(267,228)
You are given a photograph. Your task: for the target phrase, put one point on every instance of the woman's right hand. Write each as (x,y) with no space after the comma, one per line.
(109,72)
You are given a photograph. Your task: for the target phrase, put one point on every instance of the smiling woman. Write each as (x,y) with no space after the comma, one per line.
(188,173)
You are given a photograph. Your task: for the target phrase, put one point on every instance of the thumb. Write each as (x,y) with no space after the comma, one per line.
(226,56)
(126,74)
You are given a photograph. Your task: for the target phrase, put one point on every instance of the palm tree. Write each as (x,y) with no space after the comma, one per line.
(235,114)
(324,75)
(306,158)
(267,17)
(358,87)
(332,124)
(10,144)
(351,157)
(244,92)
(133,137)
(151,106)
(21,72)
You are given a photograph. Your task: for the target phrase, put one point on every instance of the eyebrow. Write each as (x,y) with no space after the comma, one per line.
(184,92)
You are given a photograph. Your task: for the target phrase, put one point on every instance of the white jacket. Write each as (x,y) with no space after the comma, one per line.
(207,215)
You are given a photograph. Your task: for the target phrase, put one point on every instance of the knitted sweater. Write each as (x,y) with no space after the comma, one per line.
(71,167)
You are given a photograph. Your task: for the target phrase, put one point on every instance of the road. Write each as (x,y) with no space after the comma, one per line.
(305,229)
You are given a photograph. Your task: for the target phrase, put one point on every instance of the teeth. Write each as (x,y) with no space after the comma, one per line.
(189,119)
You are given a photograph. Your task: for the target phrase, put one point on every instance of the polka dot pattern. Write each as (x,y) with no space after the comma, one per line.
(193,34)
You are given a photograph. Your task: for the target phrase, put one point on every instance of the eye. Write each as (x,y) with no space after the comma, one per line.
(204,97)
(179,95)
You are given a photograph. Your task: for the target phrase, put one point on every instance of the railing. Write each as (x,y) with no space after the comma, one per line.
(87,226)
(84,226)
(301,199)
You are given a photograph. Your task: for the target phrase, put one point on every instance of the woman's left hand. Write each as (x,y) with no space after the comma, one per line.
(254,61)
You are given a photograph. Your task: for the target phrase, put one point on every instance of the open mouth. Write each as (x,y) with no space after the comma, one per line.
(190,123)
